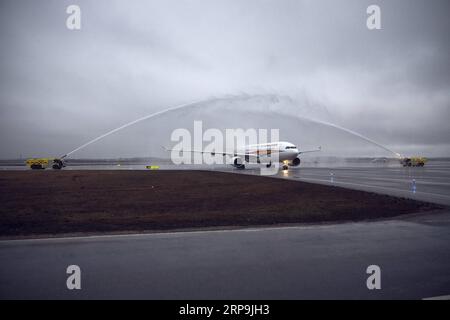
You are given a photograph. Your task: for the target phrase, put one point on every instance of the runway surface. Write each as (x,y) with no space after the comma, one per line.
(300,262)
(432,182)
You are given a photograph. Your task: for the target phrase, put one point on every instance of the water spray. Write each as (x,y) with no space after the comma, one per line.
(191,104)
(397,155)
(132,123)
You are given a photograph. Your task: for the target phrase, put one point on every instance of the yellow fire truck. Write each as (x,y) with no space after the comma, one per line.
(43,163)
(413,162)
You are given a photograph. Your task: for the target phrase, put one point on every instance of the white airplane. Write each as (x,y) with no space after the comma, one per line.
(288,154)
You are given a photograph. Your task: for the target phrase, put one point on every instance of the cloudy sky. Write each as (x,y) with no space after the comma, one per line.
(60,88)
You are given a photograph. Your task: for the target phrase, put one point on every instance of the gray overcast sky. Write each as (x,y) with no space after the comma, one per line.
(60,88)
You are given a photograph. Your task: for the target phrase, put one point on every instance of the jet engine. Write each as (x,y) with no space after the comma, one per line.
(295,162)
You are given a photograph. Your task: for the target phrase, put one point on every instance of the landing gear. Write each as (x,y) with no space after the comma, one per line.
(269,165)
(285,167)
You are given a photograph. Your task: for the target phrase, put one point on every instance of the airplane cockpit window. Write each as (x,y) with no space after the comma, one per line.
(291,147)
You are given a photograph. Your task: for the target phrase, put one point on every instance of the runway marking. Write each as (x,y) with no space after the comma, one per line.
(376,187)
(404,192)
(420,179)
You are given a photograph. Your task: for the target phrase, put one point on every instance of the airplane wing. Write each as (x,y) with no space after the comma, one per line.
(223,153)
(315,150)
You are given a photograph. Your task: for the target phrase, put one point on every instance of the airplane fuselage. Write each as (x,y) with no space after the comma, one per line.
(286,151)
(268,153)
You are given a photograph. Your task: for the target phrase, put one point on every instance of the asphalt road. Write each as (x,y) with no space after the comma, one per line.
(306,262)
(310,262)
